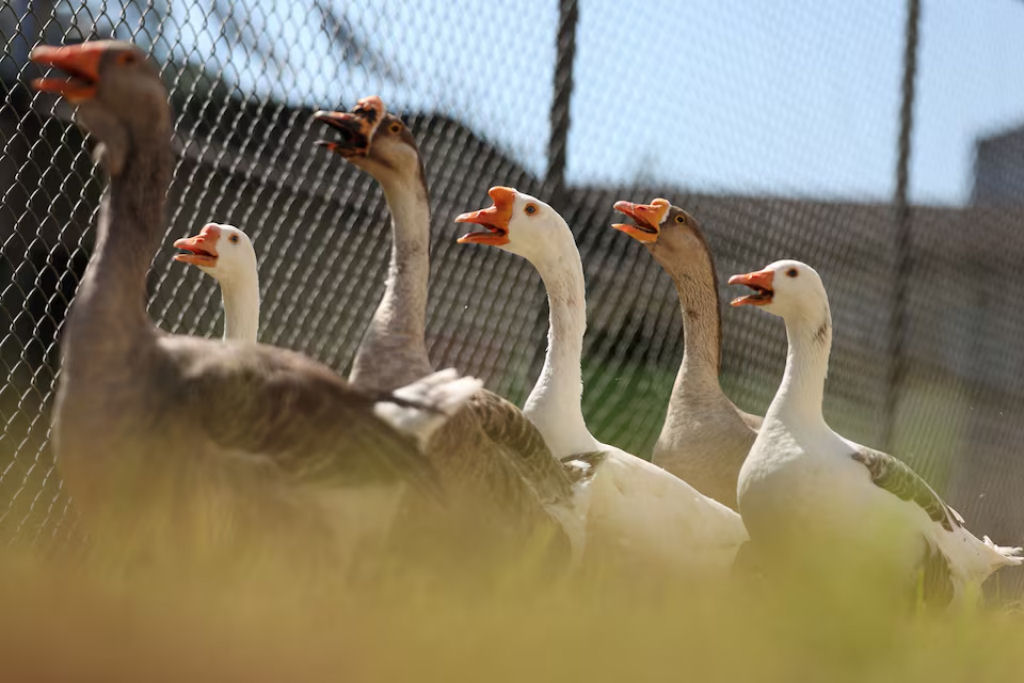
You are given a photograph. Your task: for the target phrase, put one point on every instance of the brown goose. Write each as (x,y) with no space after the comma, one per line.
(489,449)
(161,437)
(705,437)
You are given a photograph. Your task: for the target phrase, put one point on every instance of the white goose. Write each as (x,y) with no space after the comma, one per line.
(634,510)
(801,480)
(705,437)
(226,254)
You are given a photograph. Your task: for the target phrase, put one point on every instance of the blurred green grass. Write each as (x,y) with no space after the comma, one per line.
(69,619)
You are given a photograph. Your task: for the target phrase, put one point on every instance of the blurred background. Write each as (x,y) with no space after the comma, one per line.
(882,142)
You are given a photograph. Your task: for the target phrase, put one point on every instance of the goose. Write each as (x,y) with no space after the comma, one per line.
(634,509)
(169,442)
(226,254)
(803,481)
(489,451)
(705,437)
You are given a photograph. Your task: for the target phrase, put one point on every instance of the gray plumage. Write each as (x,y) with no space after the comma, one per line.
(162,438)
(705,438)
(896,477)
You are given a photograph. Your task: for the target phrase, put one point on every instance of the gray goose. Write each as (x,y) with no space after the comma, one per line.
(163,438)
(488,450)
(705,437)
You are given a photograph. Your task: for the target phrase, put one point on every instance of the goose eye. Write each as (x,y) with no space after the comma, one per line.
(792,272)
(530,209)
(127,58)
(680,219)
(233,238)
(396,127)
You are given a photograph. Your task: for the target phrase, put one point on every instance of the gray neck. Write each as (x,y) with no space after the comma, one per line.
(109,319)
(393,351)
(554,404)
(241,308)
(800,395)
(697,378)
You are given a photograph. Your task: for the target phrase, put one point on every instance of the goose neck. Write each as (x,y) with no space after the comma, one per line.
(702,328)
(802,390)
(111,299)
(393,351)
(554,405)
(241,302)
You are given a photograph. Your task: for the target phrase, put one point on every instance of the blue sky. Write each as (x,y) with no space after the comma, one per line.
(787,97)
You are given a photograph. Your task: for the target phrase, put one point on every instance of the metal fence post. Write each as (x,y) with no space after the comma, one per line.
(902,221)
(565,44)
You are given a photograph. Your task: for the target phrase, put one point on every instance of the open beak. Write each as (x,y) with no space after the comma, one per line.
(761,282)
(647,219)
(81,62)
(356,128)
(201,249)
(495,218)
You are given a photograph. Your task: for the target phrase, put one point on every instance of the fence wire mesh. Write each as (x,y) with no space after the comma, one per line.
(657,107)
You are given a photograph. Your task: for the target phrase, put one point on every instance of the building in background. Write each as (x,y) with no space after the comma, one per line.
(999,168)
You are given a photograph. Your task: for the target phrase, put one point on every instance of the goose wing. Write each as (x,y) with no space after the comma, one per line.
(281,407)
(896,477)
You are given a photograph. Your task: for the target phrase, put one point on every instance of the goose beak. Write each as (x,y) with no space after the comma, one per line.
(82,64)
(495,218)
(647,219)
(201,249)
(357,127)
(761,282)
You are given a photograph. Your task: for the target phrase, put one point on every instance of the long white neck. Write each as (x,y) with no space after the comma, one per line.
(393,351)
(241,298)
(800,395)
(554,404)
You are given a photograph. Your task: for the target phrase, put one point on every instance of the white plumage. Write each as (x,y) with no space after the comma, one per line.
(633,509)
(801,479)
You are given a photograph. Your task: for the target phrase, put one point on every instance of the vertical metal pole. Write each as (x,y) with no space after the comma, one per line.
(568,16)
(902,217)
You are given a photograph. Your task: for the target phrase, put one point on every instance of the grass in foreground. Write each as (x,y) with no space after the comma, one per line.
(67,618)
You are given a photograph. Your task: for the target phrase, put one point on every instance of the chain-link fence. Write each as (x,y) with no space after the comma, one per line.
(581,103)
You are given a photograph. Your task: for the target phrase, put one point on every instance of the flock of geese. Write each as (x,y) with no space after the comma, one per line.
(156,433)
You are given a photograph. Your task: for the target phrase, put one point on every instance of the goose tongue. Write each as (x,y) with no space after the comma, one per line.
(201,249)
(761,282)
(357,127)
(81,62)
(647,219)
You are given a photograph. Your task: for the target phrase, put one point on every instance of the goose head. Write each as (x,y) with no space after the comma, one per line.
(117,91)
(519,224)
(671,234)
(372,139)
(222,251)
(789,289)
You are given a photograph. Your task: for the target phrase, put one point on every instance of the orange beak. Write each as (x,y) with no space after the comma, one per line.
(201,248)
(647,219)
(81,62)
(495,218)
(760,281)
(357,127)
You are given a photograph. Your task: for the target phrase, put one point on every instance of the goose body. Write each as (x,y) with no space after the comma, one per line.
(636,513)
(488,452)
(705,438)
(167,442)
(803,481)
